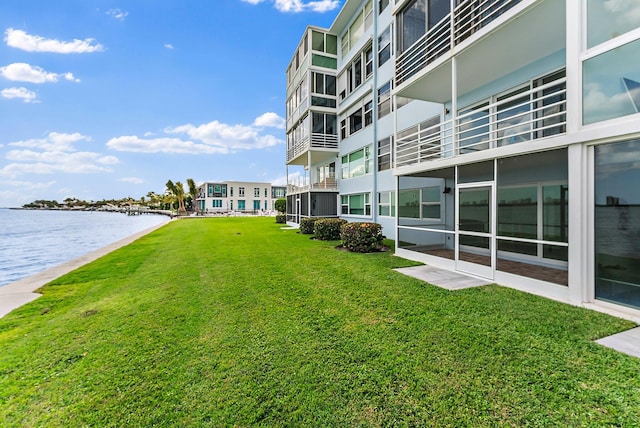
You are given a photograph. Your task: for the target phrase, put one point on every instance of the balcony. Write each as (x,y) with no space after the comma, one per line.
(527,115)
(320,142)
(488,38)
(328,184)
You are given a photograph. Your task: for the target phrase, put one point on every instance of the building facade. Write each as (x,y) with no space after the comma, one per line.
(238,196)
(499,138)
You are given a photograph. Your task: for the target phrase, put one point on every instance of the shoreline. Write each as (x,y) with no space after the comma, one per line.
(21,292)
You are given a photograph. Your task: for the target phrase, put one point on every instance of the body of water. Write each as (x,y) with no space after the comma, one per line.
(33,241)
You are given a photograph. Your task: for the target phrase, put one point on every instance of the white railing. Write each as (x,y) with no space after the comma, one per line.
(329,183)
(315,141)
(468,17)
(427,49)
(472,15)
(537,113)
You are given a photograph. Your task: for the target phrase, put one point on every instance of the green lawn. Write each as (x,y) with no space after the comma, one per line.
(235,322)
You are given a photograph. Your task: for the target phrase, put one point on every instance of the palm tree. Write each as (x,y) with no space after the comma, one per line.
(177,190)
(193,191)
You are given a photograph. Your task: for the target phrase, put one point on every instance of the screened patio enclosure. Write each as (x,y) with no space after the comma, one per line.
(509,214)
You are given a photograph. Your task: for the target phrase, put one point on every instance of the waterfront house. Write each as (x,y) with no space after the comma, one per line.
(238,197)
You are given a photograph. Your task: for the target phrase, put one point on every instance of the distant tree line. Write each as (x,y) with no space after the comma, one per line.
(174,198)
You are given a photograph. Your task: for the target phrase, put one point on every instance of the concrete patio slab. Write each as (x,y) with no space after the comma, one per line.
(627,342)
(443,278)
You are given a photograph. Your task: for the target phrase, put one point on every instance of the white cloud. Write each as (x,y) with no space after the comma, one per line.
(169,46)
(21,40)
(21,93)
(23,72)
(133,180)
(55,153)
(118,14)
(209,138)
(270,119)
(296,6)
(132,143)
(54,141)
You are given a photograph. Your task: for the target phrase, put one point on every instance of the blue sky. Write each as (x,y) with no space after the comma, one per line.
(107,99)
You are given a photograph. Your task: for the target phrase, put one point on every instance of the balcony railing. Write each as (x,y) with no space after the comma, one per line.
(468,17)
(329,184)
(427,49)
(537,113)
(472,15)
(316,141)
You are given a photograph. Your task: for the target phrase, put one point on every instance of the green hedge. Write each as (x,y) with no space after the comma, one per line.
(361,237)
(328,229)
(281,218)
(307,224)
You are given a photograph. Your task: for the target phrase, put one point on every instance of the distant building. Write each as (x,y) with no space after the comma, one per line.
(484,136)
(238,196)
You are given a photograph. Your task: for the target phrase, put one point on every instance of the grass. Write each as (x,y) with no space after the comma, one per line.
(235,322)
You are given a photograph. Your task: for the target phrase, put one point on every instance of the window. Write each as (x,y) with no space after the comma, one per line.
(384,100)
(368,62)
(363,20)
(230,191)
(256,192)
(322,42)
(384,153)
(474,128)
(216,203)
(384,46)
(617,210)
(368,113)
(424,203)
(356,204)
(241,192)
(357,71)
(607,20)
(382,5)
(417,18)
(256,204)
(355,121)
(324,123)
(611,84)
(266,205)
(241,205)
(266,193)
(358,117)
(514,117)
(387,204)
(357,163)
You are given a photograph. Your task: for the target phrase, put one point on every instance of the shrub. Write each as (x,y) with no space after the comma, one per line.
(281,218)
(361,237)
(306,225)
(328,229)
(280,205)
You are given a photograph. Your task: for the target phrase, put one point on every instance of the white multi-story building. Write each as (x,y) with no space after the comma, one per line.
(499,138)
(238,196)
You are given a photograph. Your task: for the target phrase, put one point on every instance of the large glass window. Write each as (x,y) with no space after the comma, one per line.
(356,204)
(611,84)
(617,223)
(357,163)
(609,19)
